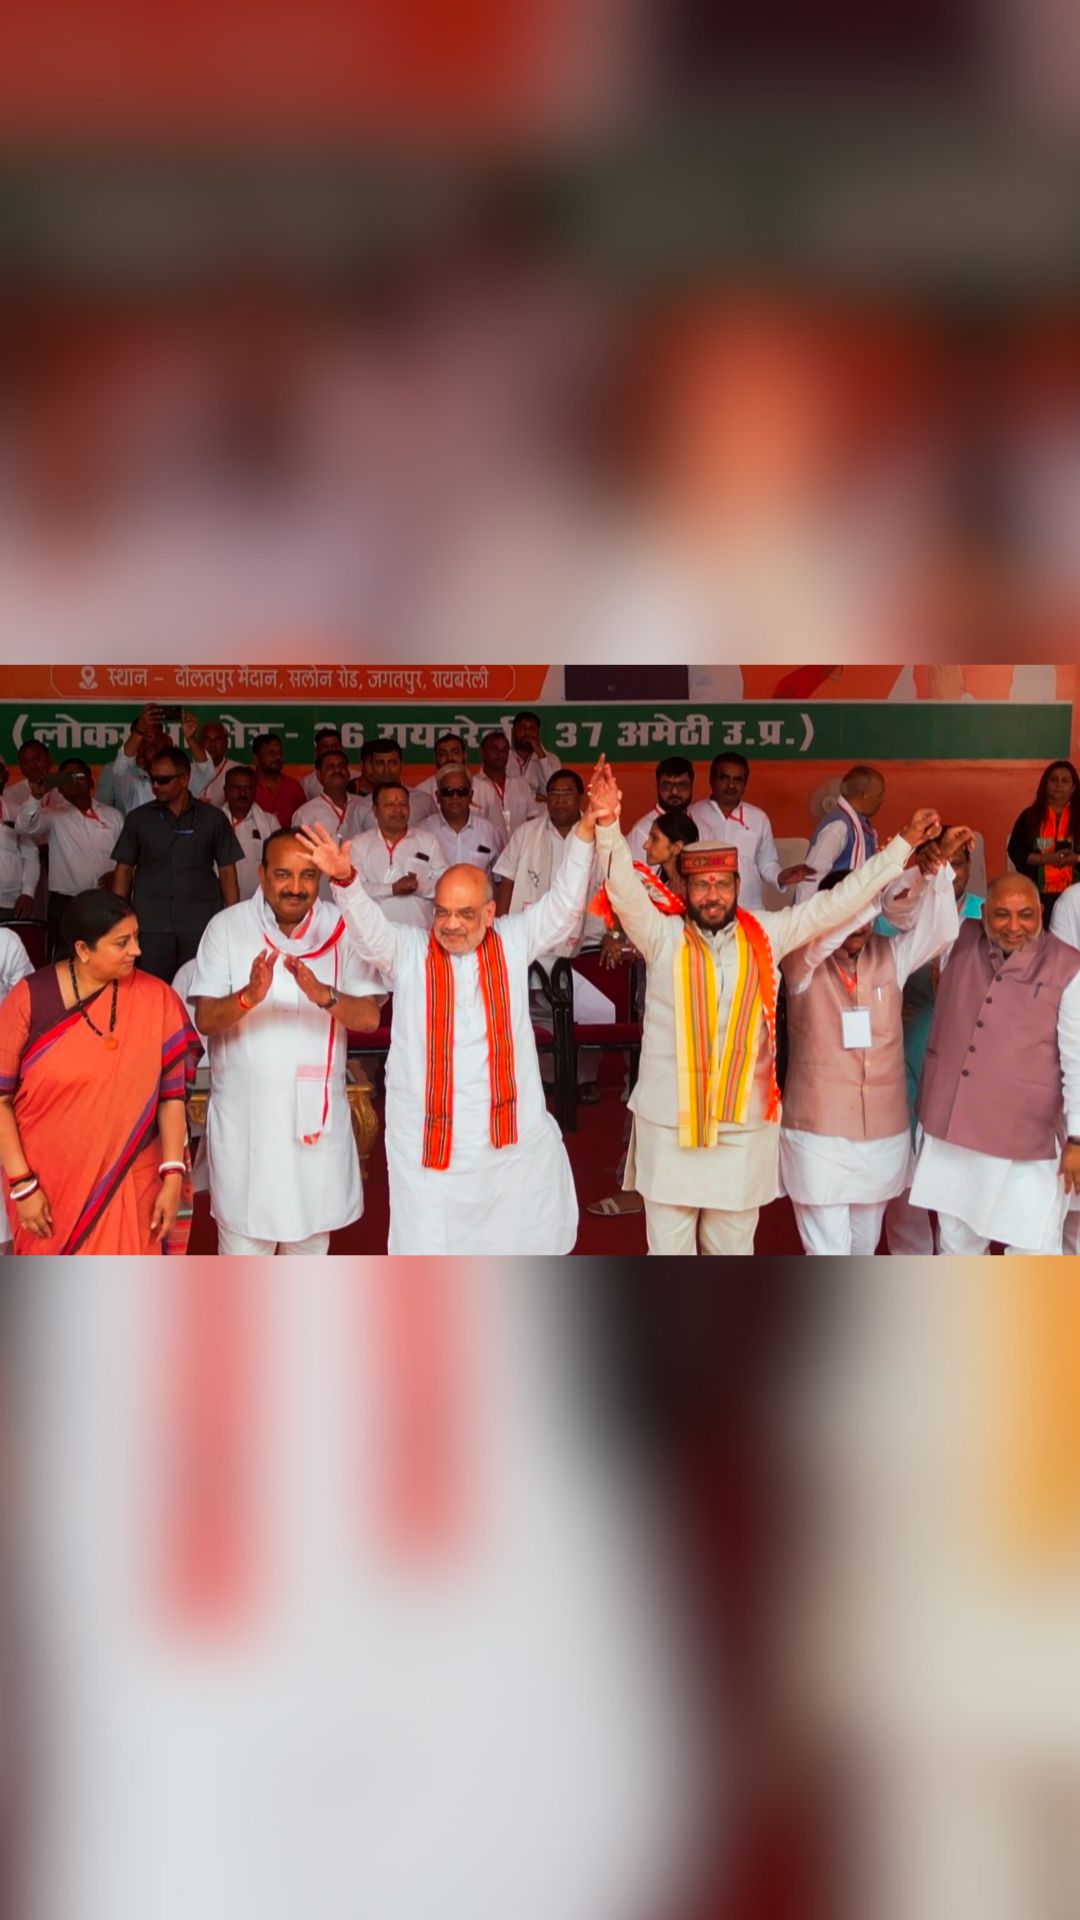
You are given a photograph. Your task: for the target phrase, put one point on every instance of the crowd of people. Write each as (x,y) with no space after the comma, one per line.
(844,1047)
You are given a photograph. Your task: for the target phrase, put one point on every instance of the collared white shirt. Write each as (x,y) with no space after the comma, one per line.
(208,782)
(536,771)
(516,803)
(342,822)
(80,844)
(131,786)
(750,830)
(379,865)
(20,861)
(479,843)
(252,831)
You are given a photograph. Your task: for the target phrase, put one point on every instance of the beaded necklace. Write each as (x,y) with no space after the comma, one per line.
(110,1038)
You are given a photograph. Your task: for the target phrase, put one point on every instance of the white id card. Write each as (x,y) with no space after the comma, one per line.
(856,1022)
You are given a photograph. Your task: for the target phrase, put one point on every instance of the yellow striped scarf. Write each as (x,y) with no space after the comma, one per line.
(716,1070)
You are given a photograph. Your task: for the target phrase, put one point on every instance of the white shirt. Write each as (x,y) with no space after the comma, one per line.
(824,854)
(536,771)
(1022,1203)
(748,829)
(532,859)
(252,831)
(263,1182)
(20,861)
(15,964)
(80,844)
(512,807)
(208,782)
(18,792)
(131,786)
(820,1170)
(1065,919)
(379,865)
(478,844)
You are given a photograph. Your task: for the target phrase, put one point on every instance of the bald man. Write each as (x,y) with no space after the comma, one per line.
(846,837)
(999,1103)
(476,1162)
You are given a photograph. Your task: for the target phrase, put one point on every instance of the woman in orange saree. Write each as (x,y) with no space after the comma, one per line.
(95,1062)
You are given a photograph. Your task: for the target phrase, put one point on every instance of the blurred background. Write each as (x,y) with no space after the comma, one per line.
(658,331)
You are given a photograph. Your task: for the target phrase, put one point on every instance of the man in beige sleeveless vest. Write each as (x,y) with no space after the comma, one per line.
(1000,1097)
(845,1140)
(705,1148)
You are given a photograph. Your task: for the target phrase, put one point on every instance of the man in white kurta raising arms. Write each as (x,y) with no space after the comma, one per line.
(476,1162)
(705,1148)
(276,988)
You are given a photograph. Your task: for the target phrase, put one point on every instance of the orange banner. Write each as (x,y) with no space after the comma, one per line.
(196,685)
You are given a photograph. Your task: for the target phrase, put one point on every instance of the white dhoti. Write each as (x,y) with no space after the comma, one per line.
(529,1205)
(979,1198)
(231,1244)
(709,1193)
(840,1188)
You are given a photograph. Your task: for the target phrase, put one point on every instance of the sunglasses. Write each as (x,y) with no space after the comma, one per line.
(163,779)
(456,793)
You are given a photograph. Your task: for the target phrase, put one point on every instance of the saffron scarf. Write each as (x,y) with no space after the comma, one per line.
(663,897)
(317,935)
(439,1079)
(716,1068)
(1055,827)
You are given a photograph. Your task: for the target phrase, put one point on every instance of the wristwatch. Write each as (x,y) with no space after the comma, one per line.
(332,1002)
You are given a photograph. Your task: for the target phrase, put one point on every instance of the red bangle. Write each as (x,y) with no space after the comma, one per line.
(347,882)
(246,1004)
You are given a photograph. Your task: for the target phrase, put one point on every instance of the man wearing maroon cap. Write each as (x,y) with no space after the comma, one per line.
(705,1148)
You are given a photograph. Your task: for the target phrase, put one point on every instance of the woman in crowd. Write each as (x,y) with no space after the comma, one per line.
(1043,842)
(95,1061)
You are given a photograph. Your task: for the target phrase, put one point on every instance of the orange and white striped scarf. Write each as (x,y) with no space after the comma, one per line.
(439,1080)
(716,1068)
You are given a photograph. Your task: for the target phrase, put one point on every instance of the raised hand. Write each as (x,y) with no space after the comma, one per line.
(604,799)
(954,841)
(309,984)
(925,824)
(328,856)
(262,972)
(190,724)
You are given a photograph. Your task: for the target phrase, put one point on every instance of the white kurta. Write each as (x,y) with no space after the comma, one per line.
(750,830)
(252,831)
(511,807)
(80,844)
(824,1170)
(741,1172)
(20,861)
(342,822)
(380,865)
(264,1182)
(517,1199)
(479,843)
(1021,1203)
(536,771)
(208,781)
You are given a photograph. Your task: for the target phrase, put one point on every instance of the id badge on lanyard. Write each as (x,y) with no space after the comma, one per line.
(855,1024)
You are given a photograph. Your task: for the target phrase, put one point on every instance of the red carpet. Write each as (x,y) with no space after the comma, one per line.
(595,1151)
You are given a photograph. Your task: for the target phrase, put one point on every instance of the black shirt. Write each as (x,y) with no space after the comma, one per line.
(176,888)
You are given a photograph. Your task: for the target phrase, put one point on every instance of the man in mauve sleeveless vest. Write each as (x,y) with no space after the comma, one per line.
(1000,1097)
(845,1137)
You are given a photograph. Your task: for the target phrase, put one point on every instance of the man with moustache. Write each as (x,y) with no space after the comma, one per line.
(727,818)
(476,1162)
(339,811)
(845,1141)
(276,792)
(999,1103)
(705,1148)
(251,825)
(501,794)
(208,746)
(674,793)
(467,838)
(276,987)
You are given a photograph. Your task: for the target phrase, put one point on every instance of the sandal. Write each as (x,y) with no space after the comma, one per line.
(610,1209)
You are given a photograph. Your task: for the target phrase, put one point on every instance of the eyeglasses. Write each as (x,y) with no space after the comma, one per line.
(163,779)
(455,793)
